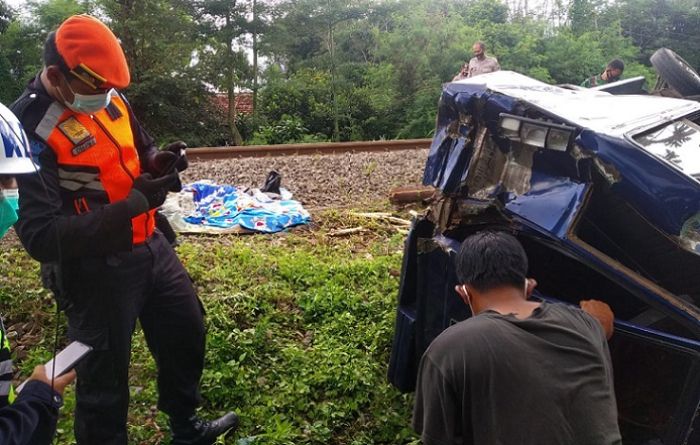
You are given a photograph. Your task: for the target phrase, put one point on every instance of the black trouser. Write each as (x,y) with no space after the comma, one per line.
(102,298)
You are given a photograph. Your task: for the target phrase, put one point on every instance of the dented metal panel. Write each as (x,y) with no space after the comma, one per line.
(664,195)
(552,205)
(600,111)
(487,178)
(469,157)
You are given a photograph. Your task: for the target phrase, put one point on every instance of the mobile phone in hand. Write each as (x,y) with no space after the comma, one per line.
(64,361)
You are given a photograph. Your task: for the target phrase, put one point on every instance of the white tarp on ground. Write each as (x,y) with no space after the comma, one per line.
(206,207)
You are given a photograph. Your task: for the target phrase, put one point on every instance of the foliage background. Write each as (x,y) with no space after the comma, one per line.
(339,70)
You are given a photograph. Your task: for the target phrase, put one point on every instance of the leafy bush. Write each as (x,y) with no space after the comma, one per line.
(304,95)
(299,331)
(287,130)
(178,107)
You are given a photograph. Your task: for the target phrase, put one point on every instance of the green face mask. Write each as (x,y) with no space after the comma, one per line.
(8,211)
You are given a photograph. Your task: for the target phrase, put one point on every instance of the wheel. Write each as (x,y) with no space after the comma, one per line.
(676,72)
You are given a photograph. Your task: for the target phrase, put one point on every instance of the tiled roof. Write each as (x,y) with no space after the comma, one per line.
(243,101)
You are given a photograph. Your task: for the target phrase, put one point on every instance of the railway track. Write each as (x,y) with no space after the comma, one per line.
(252,151)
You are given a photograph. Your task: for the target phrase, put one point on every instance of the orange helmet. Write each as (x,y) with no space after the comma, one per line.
(92,52)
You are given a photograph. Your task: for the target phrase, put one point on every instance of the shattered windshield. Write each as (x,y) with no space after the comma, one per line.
(677,142)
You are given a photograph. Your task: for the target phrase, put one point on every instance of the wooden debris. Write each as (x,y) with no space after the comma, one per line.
(345,232)
(410,194)
(384,217)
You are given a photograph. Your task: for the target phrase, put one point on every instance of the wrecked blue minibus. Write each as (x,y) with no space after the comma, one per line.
(603,192)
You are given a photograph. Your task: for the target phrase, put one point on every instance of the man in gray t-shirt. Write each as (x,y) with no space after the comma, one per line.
(518,371)
(479,64)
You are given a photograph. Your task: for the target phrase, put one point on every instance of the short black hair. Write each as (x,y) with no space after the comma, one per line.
(481,44)
(51,55)
(617,64)
(492,259)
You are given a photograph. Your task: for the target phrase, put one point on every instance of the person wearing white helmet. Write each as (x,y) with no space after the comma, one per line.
(30,418)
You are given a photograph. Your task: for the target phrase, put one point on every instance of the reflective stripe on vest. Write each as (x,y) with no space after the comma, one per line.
(5,367)
(80,140)
(5,387)
(7,393)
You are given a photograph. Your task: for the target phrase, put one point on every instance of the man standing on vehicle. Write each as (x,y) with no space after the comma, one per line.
(88,217)
(612,73)
(479,64)
(29,418)
(518,371)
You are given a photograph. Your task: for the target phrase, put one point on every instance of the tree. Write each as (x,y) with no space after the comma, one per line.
(178,107)
(222,59)
(21,41)
(318,21)
(484,11)
(20,56)
(47,15)
(652,24)
(159,38)
(260,13)
(582,16)
(6,16)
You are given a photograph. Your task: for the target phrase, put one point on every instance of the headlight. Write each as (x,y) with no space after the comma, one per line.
(536,133)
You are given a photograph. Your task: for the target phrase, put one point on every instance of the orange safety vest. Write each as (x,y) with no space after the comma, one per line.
(103,144)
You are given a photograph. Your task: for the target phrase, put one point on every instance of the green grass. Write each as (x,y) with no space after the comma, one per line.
(298,341)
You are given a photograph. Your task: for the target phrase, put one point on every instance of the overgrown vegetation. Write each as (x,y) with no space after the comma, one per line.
(337,69)
(299,333)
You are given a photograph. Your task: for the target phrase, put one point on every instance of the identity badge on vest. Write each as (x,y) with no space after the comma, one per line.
(78,135)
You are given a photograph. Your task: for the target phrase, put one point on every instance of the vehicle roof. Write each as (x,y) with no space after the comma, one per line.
(614,115)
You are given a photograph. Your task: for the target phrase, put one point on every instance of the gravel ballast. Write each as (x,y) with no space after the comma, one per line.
(354,180)
(332,180)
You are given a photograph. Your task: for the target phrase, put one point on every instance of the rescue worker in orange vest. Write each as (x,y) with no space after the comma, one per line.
(88,217)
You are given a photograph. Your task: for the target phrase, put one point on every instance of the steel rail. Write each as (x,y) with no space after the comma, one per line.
(250,151)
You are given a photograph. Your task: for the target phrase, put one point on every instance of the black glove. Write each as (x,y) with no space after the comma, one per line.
(148,193)
(172,157)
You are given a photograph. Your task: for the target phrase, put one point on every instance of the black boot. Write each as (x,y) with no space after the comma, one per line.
(195,431)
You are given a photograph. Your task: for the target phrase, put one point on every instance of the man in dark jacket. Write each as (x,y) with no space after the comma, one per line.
(30,418)
(89,217)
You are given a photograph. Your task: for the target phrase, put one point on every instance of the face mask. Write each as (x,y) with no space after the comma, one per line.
(12,196)
(87,103)
(8,215)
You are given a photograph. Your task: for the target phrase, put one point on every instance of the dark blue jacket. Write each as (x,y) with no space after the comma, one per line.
(31,419)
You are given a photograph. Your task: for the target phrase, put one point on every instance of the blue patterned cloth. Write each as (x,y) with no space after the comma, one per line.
(226,206)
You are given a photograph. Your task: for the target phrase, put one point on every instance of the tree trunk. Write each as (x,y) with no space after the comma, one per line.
(231,90)
(255,57)
(334,99)
(235,134)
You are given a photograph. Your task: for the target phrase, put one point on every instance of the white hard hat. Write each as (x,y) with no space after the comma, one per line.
(15,155)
